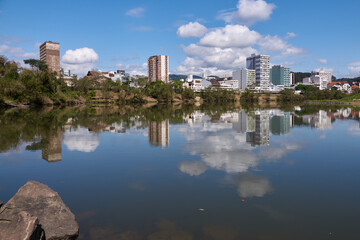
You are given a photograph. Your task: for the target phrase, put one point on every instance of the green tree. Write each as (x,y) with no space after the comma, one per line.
(36,64)
(188,94)
(178,86)
(160,90)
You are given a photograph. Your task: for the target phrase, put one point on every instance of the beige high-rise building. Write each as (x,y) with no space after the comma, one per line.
(158,68)
(50,53)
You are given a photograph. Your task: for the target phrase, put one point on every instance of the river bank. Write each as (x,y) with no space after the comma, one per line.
(334,102)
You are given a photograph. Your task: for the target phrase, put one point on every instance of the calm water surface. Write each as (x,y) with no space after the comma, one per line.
(185,173)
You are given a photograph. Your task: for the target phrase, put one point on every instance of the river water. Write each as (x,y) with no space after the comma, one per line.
(168,172)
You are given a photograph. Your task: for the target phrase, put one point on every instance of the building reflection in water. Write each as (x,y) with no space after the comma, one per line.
(158,133)
(281,122)
(321,120)
(257,127)
(52,151)
(258,124)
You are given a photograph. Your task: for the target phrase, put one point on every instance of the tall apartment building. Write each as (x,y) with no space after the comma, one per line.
(246,78)
(158,68)
(261,65)
(292,78)
(280,75)
(50,54)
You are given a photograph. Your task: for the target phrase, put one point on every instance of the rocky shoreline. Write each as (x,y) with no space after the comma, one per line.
(36,212)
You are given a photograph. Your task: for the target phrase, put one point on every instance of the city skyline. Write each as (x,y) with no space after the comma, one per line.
(215,39)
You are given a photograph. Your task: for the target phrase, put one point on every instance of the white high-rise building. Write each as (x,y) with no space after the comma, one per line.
(261,65)
(321,78)
(246,78)
(158,68)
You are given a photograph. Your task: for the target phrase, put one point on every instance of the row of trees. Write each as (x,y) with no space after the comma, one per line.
(38,86)
(313,93)
(307,93)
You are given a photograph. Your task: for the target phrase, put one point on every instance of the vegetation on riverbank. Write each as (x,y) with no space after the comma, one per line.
(38,86)
(313,93)
(352,98)
(33,86)
(308,93)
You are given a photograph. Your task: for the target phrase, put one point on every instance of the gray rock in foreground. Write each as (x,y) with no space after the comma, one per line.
(20,226)
(36,207)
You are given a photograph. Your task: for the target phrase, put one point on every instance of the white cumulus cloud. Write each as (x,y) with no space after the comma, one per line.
(230,36)
(80,60)
(249,12)
(223,49)
(16,52)
(192,29)
(133,69)
(274,44)
(354,69)
(213,60)
(80,55)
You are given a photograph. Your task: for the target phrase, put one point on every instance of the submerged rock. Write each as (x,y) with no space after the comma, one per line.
(37,206)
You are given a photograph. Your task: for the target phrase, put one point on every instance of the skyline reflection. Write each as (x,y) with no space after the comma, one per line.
(254,128)
(158,133)
(163,163)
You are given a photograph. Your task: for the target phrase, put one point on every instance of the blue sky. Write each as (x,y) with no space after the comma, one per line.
(199,35)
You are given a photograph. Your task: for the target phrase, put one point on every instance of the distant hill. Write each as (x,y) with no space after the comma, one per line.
(350,80)
(300,75)
(179,76)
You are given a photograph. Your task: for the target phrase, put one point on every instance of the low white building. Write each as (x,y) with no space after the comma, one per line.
(196,84)
(229,84)
(276,88)
(319,79)
(341,86)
